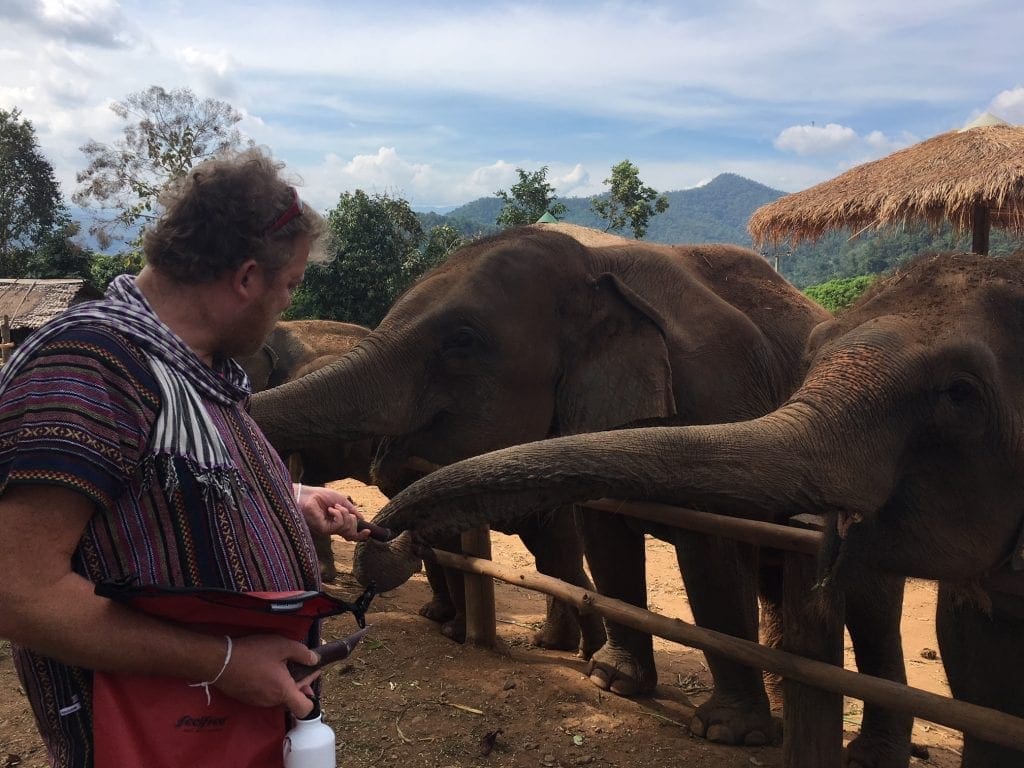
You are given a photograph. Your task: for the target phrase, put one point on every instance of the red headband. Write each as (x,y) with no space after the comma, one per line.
(295,209)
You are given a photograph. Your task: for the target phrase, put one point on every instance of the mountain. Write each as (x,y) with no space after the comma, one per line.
(716,212)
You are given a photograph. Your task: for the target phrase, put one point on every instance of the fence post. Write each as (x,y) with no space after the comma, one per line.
(481,627)
(812,724)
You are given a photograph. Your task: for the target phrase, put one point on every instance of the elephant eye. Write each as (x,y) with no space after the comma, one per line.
(960,392)
(462,340)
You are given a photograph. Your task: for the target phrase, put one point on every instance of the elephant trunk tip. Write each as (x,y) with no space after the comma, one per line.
(386,565)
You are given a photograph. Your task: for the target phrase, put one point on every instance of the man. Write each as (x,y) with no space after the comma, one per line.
(126,453)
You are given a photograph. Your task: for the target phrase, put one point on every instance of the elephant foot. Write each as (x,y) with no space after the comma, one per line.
(566,629)
(867,751)
(615,669)
(455,629)
(592,635)
(438,610)
(557,637)
(724,721)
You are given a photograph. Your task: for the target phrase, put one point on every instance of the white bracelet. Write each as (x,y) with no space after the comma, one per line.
(206,686)
(298,493)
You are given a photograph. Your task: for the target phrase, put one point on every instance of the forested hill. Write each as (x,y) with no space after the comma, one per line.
(718,213)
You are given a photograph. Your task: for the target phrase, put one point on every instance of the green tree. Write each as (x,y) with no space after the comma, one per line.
(530,199)
(438,245)
(166,133)
(371,241)
(32,212)
(629,201)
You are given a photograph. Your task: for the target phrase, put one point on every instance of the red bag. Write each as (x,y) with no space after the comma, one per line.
(162,722)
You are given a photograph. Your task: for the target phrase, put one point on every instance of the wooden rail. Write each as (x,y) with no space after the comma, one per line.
(813,688)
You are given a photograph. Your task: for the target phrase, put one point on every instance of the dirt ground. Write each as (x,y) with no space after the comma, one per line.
(410,697)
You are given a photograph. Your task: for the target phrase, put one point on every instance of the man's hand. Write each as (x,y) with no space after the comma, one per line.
(257,673)
(330,512)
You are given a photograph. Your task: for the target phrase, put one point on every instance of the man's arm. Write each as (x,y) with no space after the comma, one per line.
(48,608)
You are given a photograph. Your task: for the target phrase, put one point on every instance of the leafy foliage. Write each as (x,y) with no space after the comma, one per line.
(530,199)
(377,248)
(629,201)
(166,133)
(32,213)
(840,292)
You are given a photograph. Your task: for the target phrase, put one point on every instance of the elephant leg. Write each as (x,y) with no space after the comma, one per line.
(441,607)
(325,556)
(721,583)
(555,543)
(455,627)
(770,624)
(615,552)
(874,606)
(983,653)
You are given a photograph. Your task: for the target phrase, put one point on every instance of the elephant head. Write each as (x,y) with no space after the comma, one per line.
(292,347)
(906,431)
(531,334)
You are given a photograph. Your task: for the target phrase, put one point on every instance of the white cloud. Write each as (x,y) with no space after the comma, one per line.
(92,22)
(815,139)
(1009,105)
(841,143)
(215,69)
(569,184)
(215,62)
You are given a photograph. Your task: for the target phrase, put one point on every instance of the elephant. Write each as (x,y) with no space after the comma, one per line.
(293,345)
(905,430)
(293,349)
(555,330)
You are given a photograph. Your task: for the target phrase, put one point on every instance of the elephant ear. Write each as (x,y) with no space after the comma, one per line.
(617,370)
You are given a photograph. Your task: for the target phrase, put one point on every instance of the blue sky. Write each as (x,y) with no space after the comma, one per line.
(439,103)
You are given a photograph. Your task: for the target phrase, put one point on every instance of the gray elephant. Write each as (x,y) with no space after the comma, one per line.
(293,349)
(534,333)
(906,430)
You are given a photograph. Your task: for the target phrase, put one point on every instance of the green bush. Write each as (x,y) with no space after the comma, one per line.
(839,292)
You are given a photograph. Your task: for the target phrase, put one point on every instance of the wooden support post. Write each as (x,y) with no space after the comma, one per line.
(981,225)
(812,723)
(481,627)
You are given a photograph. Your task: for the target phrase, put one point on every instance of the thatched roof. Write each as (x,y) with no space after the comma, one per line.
(937,180)
(29,303)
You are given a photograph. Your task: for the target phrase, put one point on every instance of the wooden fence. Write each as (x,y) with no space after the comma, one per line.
(810,661)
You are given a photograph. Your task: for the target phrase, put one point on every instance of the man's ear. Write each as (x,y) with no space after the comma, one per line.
(245,278)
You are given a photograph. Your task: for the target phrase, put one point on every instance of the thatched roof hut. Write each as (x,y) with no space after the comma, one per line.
(972,178)
(28,303)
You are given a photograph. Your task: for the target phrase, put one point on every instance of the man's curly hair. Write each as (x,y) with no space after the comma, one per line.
(221,213)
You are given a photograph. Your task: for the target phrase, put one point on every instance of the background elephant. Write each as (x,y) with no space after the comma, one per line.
(293,345)
(907,430)
(293,349)
(533,333)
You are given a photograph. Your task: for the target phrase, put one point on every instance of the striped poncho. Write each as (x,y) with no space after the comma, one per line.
(107,401)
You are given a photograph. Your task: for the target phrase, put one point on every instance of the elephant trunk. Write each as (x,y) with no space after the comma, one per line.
(345,400)
(758,469)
